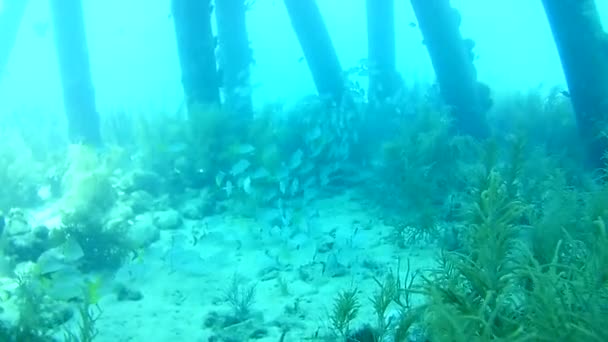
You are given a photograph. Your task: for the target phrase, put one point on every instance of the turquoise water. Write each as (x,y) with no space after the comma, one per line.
(126,41)
(469,204)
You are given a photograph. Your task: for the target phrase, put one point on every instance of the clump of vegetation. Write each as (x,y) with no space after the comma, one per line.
(422,166)
(105,247)
(241,297)
(87,185)
(544,116)
(517,279)
(31,325)
(20,173)
(89,312)
(87,202)
(188,149)
(423,229)
(478,282)
(38,317)
(344,312)
(392,291)
(395,291)
(531,262)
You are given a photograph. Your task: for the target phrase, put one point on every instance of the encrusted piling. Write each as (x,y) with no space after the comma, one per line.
(11,14)
(74,68)
(452,60)
(582,44)
(320,54)
(196,50)
(235,56)
(383,78)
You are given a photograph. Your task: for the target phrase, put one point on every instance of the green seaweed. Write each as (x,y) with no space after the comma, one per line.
(423,165)
(345,310)
(89,312)
(241,297)
(506,286)
(20,173)
(87,188)
(104,247)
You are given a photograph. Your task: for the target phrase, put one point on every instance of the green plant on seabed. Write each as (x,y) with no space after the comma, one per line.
(240,297)
(345,310)
(422,166)
(20,173)
(478,282)
(104,247)
(422,228)
(32,324)
(89,312)
(393,290)
(497,289)
(86,205)
(87,185)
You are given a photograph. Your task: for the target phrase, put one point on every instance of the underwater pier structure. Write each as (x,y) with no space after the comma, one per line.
(235,56)
(224,78)
(581,43)
(383,77)
(319,51)
(75,72)
(196,51)
(10,20)
(452,60)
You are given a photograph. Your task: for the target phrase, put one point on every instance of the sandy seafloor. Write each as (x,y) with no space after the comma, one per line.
(184,283)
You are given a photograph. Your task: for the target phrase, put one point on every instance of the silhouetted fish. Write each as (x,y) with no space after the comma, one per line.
(240,167)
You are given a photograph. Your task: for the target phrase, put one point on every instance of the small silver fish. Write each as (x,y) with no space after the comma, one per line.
(333,152)
(343,151)
(324,176)
(334,118)
(341,123)
(240,167)
(44,192)
(295,186)
(269,196)
(247,185)
(280,204)
(314,134)
(296,159)
(71,250)
(316,151)
(310,195)
(260,173)
(283,186)
(243,91)
(307,167)
(286,218)
(228,188)
(219,178)
(283,172)
(51,261)
(245,148)
(309,182)
(177,148)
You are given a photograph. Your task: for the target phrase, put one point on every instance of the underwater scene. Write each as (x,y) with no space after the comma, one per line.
(303,170)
